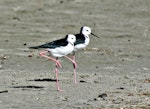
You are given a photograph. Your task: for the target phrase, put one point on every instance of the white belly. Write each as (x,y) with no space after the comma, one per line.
(61,51)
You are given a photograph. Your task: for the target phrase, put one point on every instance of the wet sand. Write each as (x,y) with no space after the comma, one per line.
(113,72)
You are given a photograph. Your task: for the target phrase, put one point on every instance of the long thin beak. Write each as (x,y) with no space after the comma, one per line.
(95,35)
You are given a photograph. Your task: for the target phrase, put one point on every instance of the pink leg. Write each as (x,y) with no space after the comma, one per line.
(58,64)
(74,57)
(42,54)
(75,66)
(57,81)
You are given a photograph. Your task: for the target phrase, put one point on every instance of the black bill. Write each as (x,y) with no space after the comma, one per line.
(95,35)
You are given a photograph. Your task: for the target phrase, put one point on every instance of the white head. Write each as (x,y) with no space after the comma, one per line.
(85,30)
(71,38)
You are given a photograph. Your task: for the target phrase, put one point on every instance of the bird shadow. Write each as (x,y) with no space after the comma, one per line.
(35,86)
(29,87)
(44,80)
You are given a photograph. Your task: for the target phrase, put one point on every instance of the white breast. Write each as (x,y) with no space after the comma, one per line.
(83,45)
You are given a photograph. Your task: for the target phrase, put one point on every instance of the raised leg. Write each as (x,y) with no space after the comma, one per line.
(75,66)
(42,54)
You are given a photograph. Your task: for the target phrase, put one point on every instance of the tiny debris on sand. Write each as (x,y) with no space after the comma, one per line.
(113,71)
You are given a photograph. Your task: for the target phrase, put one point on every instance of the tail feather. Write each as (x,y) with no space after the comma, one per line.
(34,47)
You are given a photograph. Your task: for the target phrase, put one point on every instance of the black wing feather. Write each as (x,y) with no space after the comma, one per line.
(79,39)
(52,45)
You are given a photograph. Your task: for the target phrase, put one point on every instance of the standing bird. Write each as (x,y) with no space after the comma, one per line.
(58,48)
(82,40)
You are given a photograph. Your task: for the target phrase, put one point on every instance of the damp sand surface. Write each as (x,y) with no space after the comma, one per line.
(113,72)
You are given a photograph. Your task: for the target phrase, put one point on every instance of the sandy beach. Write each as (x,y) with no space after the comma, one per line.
(113,71)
